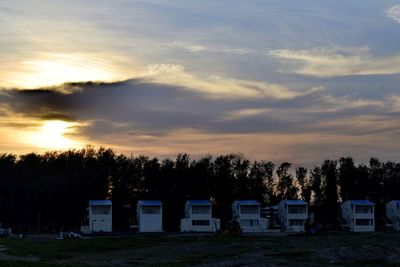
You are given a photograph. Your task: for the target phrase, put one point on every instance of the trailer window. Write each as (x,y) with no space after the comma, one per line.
(364,222)
(200,222)
(363,209)
(297,209)
(100,210)
(201,209)
(296,222)
(249,223)
(151,210)
(249,209)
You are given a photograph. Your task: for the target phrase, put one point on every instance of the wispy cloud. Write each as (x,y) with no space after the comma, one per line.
(316,106)
(334,62)
(395,102)
(195,48)
(329,103)
(216,86)
(246,113)
(394,13)
(191,47)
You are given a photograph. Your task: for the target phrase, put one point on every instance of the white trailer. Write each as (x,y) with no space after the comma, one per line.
(149,215)
(198,217)
(359,215)
(247,214)
(293,215)
(100,216)
(393,213)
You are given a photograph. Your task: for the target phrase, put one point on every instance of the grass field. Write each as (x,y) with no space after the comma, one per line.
(332,249)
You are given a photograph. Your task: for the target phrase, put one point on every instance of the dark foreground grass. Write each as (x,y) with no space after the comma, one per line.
(331,249)
(16,263)
(66,249)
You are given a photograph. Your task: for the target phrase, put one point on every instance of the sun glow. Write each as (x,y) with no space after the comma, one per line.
(54,135)
(55,69)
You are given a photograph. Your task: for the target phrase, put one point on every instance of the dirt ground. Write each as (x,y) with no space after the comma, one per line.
(328,249)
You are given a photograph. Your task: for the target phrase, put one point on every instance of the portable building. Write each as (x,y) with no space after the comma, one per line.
(293,215)
(359,215)
(100,216)
(247,214)
(198,217)
(149,215)
(393,213)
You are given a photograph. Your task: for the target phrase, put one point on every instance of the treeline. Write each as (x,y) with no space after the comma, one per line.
(50,191)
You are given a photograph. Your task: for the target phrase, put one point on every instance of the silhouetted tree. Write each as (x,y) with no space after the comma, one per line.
(241,177)
(304,183)
(223,187)
(172,206)
(347,178)
(330,188)
(361,190)
(286,188)
(271,197)
(258,182)
(316,185)
(202,176)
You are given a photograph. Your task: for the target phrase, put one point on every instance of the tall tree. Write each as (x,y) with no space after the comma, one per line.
(151,184)
(258,182)
(241,175)
(202,176)
(8,188)
(271,197)
(182,168)
(224,187)
(304,183)
(330,188)
(316,185)
(376,193)
(361,189)
(172,208)
(286,188)
(347,178)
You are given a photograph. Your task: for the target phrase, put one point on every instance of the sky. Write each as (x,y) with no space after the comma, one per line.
(287,80)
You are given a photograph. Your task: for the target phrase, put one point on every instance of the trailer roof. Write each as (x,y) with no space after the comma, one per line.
(294,202)
(149,202)
(362,202)
(247,202)
(100,203)
(199,202)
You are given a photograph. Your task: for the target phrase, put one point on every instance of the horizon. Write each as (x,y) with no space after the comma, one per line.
(287,81)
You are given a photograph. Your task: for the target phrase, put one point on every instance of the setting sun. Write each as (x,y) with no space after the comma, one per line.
(54,135)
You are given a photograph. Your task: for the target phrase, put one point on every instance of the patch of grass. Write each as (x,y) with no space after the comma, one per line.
(38,264)
(195,259)
(65,249)
(289,255)
(378,249)
(381,262)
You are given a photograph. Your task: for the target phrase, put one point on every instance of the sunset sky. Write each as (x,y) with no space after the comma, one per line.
(294,80)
